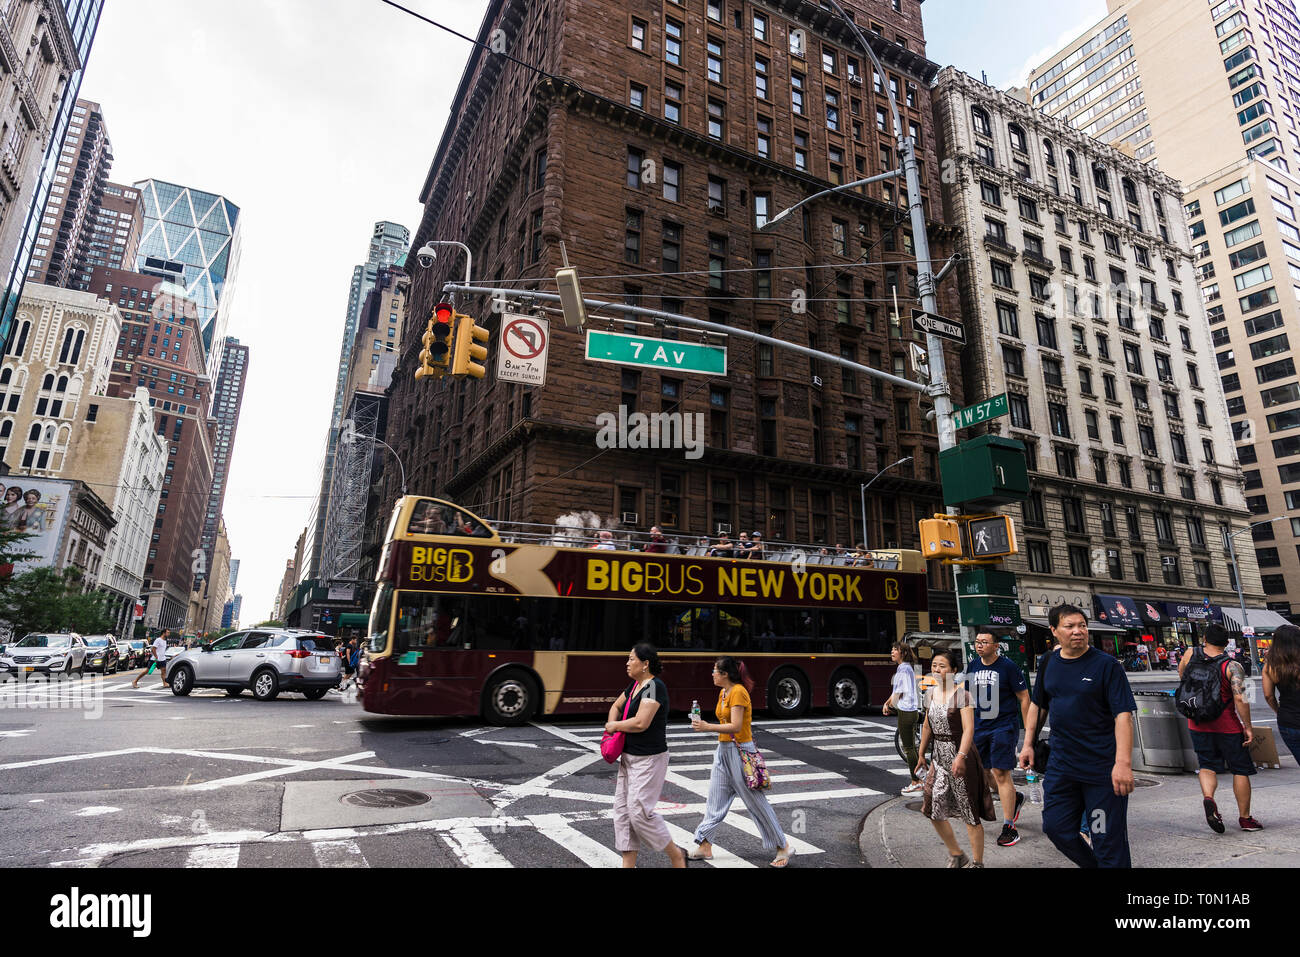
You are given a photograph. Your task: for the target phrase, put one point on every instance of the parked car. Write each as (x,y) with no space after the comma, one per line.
(135,652)
(103,654)
(265,661)
(61,653)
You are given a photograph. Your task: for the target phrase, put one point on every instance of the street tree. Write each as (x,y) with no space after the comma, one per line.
(48,599)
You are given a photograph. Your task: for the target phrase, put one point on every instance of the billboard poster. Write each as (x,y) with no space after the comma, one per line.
(39,507)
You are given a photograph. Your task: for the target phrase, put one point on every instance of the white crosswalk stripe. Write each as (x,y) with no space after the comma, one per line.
(214,855)
(338,854)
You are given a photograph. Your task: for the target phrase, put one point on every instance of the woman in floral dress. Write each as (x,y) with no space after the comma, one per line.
(954,781)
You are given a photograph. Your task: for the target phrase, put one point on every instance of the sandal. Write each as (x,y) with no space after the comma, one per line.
(783,857)
(693,854)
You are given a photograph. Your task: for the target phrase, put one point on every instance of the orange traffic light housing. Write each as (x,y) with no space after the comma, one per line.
(940,538)
(467,348)
(436,357)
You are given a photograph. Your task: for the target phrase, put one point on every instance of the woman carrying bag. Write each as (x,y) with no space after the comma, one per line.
(642,758)
(729,776)
(954,783)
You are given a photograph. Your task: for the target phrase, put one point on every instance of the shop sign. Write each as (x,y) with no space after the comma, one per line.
(1193,611)
(1118,611)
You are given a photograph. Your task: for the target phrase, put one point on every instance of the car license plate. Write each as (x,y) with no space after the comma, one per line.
(324,661)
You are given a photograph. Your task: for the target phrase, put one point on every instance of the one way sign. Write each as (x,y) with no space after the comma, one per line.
(941,327)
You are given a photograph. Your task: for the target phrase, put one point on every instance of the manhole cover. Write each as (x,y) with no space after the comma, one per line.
(385,798)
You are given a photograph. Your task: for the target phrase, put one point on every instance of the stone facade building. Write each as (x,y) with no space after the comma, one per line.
(1081,303)
(679,129)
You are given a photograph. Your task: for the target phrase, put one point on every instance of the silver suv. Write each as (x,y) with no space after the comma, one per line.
(263,660)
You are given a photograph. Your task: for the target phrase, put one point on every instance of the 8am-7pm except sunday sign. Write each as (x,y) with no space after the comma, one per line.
(668,354)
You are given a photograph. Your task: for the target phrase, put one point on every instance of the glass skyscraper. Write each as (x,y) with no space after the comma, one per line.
(193,239)
(83,21)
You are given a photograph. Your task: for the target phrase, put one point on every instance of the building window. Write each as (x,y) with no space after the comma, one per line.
(673,42)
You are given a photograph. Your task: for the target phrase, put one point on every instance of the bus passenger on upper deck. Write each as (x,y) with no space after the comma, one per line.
(605,541)
(657,544)
(756,550)
(723,548)
(424,519)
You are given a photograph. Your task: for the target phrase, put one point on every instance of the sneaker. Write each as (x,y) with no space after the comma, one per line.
(1250,824)
(1212,816)
(1086,835)
(916,787)
(979,864)
(1020,801)
(1009,836)
(956,861)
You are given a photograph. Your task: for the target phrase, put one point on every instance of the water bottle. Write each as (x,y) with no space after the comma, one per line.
(1034,782)
(695,710)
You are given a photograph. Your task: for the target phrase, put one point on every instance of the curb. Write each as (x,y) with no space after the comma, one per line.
(873,842)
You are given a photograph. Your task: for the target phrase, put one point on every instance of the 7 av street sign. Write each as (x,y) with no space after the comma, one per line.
(941,327)
(981,411)
(656,353)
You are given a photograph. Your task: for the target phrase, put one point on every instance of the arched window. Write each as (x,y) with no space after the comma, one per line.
(34,435)
(1100,177)
(7,429)
(1017,138)
(1070,164)
(20,340)
(1049,155)
(980,120)
(5,376)
(48,382)
(67,345)
(1130,191)
(76,349)
(1160,205)
(63,384)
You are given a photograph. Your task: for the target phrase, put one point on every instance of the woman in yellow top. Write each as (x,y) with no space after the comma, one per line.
(727,778)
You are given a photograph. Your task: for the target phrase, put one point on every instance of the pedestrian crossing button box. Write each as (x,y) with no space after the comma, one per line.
(984,472)
(940,538)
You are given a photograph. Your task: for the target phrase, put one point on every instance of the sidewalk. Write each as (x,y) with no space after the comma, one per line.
(1166,827)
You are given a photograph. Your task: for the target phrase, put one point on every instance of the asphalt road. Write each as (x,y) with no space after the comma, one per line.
(94,773)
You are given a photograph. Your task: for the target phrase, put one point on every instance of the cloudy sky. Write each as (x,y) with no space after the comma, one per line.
(317,118)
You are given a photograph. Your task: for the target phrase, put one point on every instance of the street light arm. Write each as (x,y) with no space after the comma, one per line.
(400,467)
(862,494)
(892,174)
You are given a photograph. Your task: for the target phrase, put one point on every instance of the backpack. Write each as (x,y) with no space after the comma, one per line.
(1200,692)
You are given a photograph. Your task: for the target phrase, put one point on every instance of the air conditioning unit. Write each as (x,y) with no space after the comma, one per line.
(817,381)
(724,530)
(717,209)
(855,80)
(629,518)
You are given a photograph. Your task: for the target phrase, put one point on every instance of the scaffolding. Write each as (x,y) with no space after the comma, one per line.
(345,520)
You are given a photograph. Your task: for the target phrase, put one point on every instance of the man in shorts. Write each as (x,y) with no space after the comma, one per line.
(1223,744)
(1000,692)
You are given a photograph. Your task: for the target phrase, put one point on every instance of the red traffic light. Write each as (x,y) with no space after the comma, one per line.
(443,312)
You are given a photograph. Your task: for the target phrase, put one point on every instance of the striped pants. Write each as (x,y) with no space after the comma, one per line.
(726,783)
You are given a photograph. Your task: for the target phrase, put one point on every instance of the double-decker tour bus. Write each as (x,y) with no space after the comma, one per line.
(517,622)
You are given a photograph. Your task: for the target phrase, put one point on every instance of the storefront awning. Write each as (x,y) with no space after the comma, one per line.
(1092,625)
(1261,619)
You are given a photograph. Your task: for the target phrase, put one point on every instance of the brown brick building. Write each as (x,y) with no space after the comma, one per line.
(160,348)
(676,129)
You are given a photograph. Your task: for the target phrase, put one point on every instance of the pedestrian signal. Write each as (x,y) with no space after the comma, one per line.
(940,538)
(991,537)
(467,348)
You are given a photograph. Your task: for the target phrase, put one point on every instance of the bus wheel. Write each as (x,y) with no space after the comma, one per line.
(788,695)
(848,694)
(510,699)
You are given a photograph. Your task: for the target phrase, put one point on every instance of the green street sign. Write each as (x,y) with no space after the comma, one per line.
(981,412)
(656,353)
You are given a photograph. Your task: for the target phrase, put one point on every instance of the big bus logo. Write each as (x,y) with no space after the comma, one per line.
(891,589)
(451,565)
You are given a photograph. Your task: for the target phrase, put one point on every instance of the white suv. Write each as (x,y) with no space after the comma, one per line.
(263,660)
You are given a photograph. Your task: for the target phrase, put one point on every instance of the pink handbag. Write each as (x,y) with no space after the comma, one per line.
(611,745)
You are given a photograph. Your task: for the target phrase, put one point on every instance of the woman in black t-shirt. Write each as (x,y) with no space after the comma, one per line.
(644,762)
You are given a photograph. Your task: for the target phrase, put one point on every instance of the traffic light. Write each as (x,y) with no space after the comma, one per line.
(437,342)
(940,538)
(467,348)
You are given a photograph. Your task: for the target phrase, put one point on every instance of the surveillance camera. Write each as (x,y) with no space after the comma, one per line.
(426,256)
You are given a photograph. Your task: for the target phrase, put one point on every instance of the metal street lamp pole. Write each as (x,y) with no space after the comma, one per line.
(892,174)
(1241,597)
(400,467)
(862,491)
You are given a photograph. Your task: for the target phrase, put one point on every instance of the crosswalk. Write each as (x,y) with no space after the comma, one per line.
(859,739)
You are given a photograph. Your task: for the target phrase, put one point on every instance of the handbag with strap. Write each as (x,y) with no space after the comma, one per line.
(611,745)
(754,768)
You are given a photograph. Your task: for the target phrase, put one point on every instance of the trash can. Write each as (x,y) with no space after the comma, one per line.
(1160,737)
